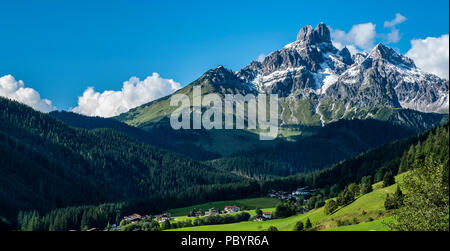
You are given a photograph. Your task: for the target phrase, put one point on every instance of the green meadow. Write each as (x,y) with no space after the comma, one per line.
(376,225)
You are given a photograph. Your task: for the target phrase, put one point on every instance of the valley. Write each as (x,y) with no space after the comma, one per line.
(345,120)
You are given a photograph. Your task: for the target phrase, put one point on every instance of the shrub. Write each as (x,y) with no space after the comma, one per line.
(299,226)
(330,206)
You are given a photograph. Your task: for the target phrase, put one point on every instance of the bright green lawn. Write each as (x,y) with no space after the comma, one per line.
(281,224)
(376,225)
(251,212)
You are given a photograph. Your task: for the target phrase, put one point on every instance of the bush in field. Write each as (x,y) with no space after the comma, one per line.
(330,206)
(388,179)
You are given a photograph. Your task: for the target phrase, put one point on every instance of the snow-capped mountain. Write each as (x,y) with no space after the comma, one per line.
(312,67)
(318,84)
(316,81)
(385,77)
(309,63)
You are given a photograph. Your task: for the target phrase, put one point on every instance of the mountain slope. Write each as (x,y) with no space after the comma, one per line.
(158,136)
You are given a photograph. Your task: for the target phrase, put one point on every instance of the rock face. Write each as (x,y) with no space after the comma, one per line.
(387,78)
(303,65)
(335,84)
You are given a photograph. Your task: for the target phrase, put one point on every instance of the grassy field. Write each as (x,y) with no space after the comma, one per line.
(376,225)
(251,212)
(366,213)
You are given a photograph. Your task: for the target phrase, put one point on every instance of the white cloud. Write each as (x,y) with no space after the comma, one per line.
(399,18)
(394,36)
(431,54)
(134,93)
(361,36)
(261,57)
(16,90)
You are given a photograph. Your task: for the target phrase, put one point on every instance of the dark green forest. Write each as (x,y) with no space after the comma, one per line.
(161,135)
(45,164)
(334,181)
(331,144)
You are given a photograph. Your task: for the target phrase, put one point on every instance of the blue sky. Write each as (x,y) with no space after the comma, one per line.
(59,48)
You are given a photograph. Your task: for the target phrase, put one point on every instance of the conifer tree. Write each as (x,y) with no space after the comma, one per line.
(308,224)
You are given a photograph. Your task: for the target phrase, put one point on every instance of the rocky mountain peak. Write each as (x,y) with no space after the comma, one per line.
(321,34)
(305,33)
(218,73)
(382,52)
(219,78)
(346,56)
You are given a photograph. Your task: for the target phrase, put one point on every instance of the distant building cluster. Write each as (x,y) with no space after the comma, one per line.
(137,217)
(214,211)
(263,217)
(163,217)
(304,192)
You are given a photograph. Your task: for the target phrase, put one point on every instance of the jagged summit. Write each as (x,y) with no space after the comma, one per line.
(312,67)
(321,34)
(346,56)
(305,33)
(218,74)
(382,52)
(220,77)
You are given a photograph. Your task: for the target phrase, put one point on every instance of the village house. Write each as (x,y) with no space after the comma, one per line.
(293,196)
(267,215)
(231,209)
(301,191)
(163,217)
(259,218)
(133,218)
(212,211)
(197,213)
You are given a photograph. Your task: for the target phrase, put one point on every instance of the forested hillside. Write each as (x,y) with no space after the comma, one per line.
(319,148)
(45,164)
(334,142)
(393,157)
(160,136)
